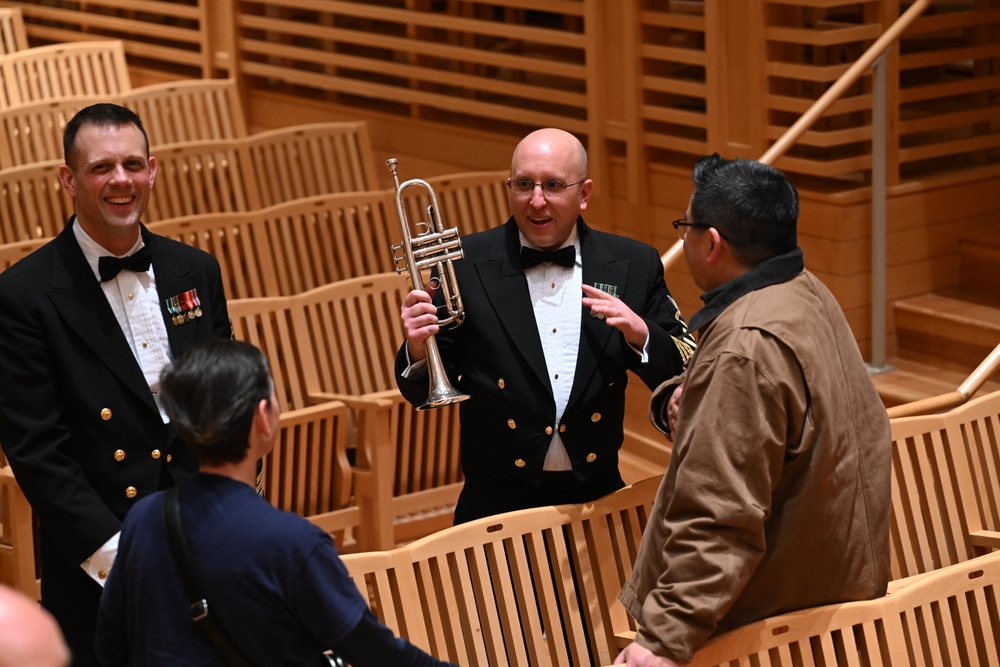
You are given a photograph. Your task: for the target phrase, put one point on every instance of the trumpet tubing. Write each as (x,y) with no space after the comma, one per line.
(432,248)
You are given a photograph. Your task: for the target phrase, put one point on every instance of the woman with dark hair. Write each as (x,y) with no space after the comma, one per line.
(274,581)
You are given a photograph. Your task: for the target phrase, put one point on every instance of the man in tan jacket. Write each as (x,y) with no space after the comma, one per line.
(777,495)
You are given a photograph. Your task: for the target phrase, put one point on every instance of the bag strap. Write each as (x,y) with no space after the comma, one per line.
(230,652)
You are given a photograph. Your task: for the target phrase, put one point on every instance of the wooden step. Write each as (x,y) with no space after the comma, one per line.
(979,252)
(952,329)
(909,381)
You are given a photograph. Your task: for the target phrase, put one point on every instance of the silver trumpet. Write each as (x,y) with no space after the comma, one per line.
(433,247)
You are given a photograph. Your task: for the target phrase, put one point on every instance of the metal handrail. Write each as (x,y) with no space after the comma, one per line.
(952,399)
(991,364)
(819,107)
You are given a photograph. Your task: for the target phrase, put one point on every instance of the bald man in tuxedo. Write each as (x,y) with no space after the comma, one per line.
(556,314)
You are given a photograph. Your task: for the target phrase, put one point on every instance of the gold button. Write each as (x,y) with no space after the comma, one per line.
(105,414)
(101,574)
(131,297)
(156,454)
(170,457)
(591,457)
(145,344)
(119,454)
(548,430)
(500,383)
(520,463)
(130,492)
(596,417)
(511,423)
(562,428)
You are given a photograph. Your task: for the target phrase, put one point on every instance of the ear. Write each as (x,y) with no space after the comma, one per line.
(714,245)
(152,170)
(585,189)
(261,422)
(67,180)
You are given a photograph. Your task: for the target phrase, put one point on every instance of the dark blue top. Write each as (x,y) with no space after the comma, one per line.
(271,578)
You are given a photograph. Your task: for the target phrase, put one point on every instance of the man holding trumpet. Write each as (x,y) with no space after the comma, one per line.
(545,376)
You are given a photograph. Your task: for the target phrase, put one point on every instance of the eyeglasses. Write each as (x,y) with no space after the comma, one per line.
(682,222)
(525,186)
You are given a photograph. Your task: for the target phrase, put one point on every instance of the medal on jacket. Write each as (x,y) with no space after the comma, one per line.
(609,289)
(184,307)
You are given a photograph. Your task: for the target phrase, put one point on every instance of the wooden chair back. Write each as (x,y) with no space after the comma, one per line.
(236,241)
(945,487)
(34,132)
(189,110)
(11,253)
(944,618)
(13,36)
(70,69)
(306,160)
(309,471)
(33,203)
(327,238)
(979,438)
(201,177)
(17,541)
(534,587)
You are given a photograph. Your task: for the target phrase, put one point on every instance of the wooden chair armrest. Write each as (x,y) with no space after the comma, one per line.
(353,402)
(624,638)
(985,539)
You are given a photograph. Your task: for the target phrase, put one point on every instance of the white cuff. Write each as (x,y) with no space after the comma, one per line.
(99,565)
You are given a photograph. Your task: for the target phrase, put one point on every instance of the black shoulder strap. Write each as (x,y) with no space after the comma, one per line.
(199,605)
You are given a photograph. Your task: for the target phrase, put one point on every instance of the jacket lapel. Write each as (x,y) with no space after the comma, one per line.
(77,296)
(173,278)
(599,266)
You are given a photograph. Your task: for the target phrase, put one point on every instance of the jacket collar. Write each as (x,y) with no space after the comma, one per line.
(773,271)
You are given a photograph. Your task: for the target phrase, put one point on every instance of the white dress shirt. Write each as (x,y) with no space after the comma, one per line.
(556,295)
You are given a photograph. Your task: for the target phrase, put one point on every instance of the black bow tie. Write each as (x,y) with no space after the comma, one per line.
(563,257)
(109,267)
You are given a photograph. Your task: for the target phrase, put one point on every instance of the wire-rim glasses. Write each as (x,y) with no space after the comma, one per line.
(682,222)
(551,187)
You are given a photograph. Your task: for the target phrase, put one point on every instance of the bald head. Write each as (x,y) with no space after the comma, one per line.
(558,145)
(29,636)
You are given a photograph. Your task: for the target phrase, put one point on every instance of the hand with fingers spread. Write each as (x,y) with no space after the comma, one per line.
(420,321)
(617,314)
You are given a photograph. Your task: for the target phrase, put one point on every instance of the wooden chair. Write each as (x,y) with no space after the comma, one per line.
(33,203)
(306,160)
(11,253)
(270,326)
(34,132)
(189,110)
(339,341)
(309,471)
(17,541)
(945,487)
(13,36)
(534,587)
(195,177)
(945,618)
(71,69)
